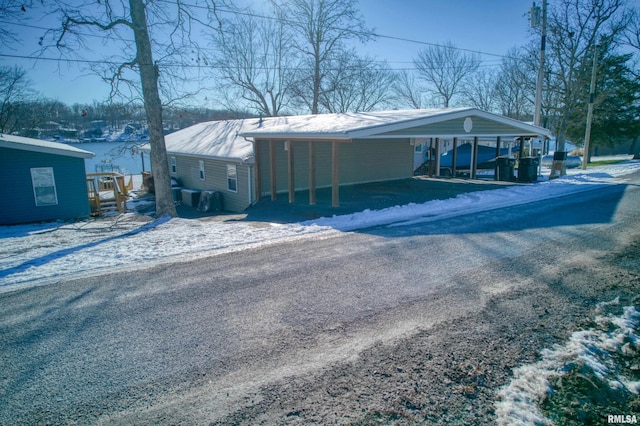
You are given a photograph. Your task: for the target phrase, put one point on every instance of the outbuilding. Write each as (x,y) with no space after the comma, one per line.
(41,181)
(247,159)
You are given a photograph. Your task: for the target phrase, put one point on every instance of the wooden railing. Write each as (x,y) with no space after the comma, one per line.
(100,186)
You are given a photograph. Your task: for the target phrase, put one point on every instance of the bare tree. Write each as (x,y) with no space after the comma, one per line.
(12,11)
(444,68)
(514,88)
(480,90)
(253,59)
(321,28)
(632,37)
(14,92)
(141,40)
(575,27)
(357,84)
(407,89)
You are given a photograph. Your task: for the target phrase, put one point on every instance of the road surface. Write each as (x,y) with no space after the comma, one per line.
(418,322)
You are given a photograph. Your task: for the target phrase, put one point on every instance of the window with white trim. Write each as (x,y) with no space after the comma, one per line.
(44,186)
(232,178)
(201,167)
(174,165)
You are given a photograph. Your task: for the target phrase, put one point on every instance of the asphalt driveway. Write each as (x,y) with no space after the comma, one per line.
(353,198)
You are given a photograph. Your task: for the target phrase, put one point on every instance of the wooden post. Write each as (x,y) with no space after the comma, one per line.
(437,159)
(495,168)
(431,164)
(312,173)
(272,162)
(474,157)
(454,157)
(291,172)
(335,178)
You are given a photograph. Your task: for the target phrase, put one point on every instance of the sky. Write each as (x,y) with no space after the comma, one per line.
(491,27)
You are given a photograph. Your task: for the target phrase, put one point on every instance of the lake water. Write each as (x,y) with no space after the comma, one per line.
(117,153)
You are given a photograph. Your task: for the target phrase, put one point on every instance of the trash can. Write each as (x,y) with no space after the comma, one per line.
(505,166)
(528,169)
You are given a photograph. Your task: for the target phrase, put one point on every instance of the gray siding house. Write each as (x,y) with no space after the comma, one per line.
(247,159)
(41,181)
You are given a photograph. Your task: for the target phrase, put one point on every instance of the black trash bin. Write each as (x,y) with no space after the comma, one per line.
(505,166)
(528,169)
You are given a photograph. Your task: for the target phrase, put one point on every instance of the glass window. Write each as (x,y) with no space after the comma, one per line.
(232,178)
(174,166)
(44,186)
(201,166)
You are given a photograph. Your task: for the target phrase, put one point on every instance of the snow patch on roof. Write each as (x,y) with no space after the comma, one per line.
(37,145)
(217,139)
(333,125)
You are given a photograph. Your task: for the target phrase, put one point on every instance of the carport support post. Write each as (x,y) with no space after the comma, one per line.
(290,172)
(437,162)
(495,168)
(312,173)
(453,157)
(335,178)
(272,164)
(474,157)
(431,163)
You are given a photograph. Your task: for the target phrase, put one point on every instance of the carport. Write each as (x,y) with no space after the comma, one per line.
(329,150)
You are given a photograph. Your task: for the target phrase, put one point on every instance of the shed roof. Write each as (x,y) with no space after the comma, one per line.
(447,122)
(46,147)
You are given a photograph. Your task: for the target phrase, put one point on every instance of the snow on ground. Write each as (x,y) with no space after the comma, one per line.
(594,347)
(41,254)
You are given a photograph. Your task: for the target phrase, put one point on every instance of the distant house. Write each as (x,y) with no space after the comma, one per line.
(41,181)
(247,159)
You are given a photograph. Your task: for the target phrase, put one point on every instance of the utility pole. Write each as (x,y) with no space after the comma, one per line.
(535,22)
(592,95)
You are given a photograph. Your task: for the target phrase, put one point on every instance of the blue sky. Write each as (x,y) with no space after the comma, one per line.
(493,27)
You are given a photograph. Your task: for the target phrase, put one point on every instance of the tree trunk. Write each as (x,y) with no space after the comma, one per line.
(153,108)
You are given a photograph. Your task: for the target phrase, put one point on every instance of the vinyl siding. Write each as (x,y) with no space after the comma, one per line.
(481,126)
(17,200)
(188,176)
(363,160)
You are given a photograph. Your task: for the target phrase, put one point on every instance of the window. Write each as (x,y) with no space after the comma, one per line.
(201,166)
(44,186)
(232,178)
(174,166)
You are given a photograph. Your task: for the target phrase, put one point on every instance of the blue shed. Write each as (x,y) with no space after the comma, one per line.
(41,180)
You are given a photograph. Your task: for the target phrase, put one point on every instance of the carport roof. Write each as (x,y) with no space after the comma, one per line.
(417,123)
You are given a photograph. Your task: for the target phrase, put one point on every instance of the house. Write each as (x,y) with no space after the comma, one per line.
(250,158)
(41,181)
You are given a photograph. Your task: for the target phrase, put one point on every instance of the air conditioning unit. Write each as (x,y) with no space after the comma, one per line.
(190,197)
(210,201)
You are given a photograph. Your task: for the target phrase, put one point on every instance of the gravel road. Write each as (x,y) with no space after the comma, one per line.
(402,325)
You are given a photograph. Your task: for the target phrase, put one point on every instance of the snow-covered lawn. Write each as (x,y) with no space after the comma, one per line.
(40,254)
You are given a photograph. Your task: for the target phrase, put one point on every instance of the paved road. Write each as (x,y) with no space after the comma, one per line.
(191,342)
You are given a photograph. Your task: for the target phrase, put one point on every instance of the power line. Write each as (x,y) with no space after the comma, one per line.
(280,20)
(196,66)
